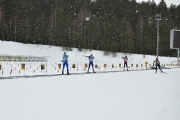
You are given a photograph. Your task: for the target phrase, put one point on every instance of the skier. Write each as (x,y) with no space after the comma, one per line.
(65,63)
(125,62)
(156,63)
(91,58)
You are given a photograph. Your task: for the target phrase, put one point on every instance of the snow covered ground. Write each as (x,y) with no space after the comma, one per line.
(132,95)
(123,95)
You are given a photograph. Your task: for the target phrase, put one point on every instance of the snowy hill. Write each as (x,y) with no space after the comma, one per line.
(75,56)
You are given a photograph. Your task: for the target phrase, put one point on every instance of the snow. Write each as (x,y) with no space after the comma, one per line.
(123,95)
(87,18)
(55,54)
(139,95)
(168,2)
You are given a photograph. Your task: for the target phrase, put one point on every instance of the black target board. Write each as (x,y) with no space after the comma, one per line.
(175,39)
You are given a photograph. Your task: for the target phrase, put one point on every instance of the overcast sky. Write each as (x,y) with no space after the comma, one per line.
(168,2)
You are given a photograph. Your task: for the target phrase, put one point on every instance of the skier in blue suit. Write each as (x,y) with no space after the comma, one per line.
(91,58)
(65,63)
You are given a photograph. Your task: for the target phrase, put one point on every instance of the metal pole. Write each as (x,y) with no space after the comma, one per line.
(157,38)
(158,18)
(178,52)
(141,35)
(0,68)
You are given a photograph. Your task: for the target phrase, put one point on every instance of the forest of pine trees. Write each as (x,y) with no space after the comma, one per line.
(108,25)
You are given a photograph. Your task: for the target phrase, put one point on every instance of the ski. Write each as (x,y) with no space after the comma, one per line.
(90,72)
(163,72)
(65,74)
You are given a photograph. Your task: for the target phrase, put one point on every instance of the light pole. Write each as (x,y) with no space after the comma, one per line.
(178,56)
(158,18)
